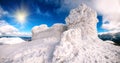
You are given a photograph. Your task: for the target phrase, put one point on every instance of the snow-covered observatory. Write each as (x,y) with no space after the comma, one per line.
(74,42)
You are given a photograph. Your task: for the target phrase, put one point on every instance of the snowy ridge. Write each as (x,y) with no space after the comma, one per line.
(75,43)
(41,32)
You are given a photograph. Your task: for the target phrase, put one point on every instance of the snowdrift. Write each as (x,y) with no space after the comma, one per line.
(42,31)
(75,42)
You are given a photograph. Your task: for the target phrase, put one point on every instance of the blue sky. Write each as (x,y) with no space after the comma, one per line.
(36,12)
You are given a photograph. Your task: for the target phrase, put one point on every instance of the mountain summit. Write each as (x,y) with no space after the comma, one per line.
(75,42)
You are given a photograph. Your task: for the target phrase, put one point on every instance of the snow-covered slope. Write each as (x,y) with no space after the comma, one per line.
(75,43)
(39,50)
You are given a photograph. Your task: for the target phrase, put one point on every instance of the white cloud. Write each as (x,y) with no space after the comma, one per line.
(7,29)
(110,9)
(3,22)
(2,12)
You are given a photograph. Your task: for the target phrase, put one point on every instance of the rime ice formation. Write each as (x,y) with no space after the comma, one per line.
(75,43)
(80,44)
(42,31)
(84,19)
(37,29)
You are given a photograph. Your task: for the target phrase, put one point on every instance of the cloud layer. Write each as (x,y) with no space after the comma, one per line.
(110,9)
(6,29)
(9,30)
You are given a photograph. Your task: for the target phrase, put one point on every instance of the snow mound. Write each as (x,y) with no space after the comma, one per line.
(11,40)
(55,31)
(37,29)
(75,43)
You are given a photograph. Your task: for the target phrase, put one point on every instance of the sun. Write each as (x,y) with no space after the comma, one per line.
(21,16)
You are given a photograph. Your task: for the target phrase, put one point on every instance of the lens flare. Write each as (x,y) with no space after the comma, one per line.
(21,16)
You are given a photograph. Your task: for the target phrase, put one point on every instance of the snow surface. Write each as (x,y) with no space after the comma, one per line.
(75,43)
(15,40)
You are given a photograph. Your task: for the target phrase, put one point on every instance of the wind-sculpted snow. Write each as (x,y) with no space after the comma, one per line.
(75,43)
(84,19)
(80,44)
(37,29)
(41,32)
